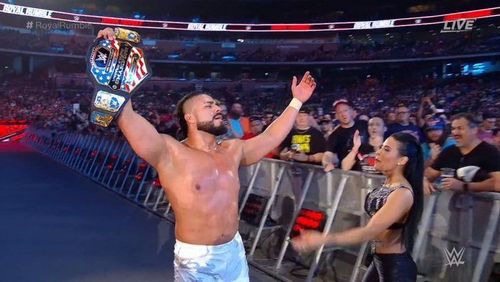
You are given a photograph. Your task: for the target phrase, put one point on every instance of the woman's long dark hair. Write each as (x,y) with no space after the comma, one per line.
(414,173)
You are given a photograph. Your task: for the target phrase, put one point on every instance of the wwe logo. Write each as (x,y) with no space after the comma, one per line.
(102,57)
(454,257)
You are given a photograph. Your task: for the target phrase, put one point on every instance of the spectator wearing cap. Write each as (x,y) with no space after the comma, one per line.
(326,126)
(340,142)
(469,150)
(304,143)
(403,124)
(485,132)
(436,139)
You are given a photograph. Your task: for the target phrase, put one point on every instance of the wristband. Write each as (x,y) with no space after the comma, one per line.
(295,103)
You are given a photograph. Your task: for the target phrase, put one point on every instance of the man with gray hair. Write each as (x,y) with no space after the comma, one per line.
(468,151)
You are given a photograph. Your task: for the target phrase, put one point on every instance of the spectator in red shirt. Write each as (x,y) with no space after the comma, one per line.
(256,127)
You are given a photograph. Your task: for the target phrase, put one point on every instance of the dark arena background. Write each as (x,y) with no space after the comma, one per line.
(78,204)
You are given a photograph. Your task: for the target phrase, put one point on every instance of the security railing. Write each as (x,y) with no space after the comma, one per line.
(457,238)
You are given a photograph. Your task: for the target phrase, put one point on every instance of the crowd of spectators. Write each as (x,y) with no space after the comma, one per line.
(345,134)
(371,96)
(395,45)
(40,101)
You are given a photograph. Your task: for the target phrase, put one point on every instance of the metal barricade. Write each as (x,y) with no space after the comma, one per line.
(335,193)
(457,238)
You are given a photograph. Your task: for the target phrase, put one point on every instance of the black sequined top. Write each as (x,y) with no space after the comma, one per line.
(376,199)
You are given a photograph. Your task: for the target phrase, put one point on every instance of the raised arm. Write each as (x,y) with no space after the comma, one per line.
(142,136)
(350,160)
(420,112)
(256,148)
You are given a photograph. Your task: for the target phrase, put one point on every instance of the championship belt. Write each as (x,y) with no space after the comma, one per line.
(117,68)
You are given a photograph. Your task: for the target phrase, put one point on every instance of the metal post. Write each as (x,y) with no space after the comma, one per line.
(95,165)
(139,190)
(124,145)
(286,242)
(250,186)
(106,170)
(71,140)
(75,146)
(332,211)
(128,172)
(487,241)
(58,148)
(359,261)
(88,168)
(78,161)
(50,148)
(275,189)
(111,147)
(60,151)
(132,183)
(148,194)
(161,195)
(85,163)
(169,206)
(423,229)
(469,225)
(118,176)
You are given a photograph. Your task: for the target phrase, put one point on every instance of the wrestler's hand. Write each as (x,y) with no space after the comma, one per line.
(308,240)
(107,33)
(305,88)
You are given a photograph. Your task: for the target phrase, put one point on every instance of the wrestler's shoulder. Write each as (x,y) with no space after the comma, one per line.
(171,143)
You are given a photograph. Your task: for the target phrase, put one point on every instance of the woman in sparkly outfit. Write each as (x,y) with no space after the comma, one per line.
(395,209)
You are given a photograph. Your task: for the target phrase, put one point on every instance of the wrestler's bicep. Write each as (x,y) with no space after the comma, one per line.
(146,142)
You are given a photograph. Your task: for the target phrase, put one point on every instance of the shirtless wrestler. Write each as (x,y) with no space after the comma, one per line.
(200,178)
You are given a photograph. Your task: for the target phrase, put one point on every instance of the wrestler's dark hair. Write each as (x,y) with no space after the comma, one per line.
(179,114)
(414,173)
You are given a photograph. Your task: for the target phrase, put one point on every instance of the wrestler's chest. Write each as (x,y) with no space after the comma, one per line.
(214,173)
(206,169)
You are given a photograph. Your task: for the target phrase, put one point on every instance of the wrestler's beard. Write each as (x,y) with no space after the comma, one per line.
(209,127)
